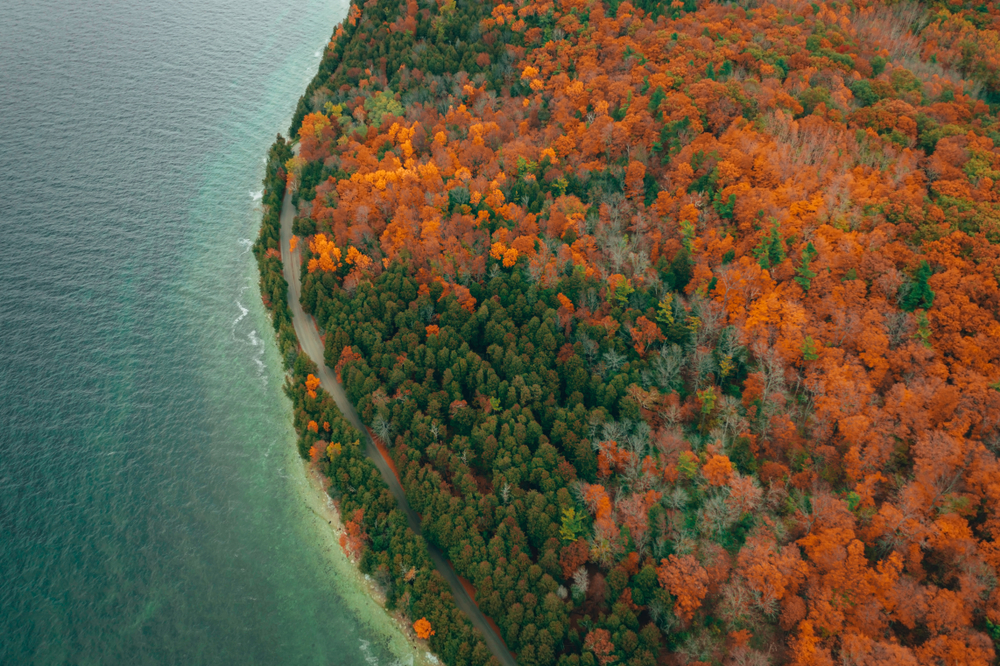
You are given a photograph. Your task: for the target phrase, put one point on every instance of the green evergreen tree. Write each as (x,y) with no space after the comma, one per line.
(771,250)
(805,275)
(919,294)
(809,351)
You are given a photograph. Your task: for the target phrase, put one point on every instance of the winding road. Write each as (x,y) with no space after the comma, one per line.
(309,339)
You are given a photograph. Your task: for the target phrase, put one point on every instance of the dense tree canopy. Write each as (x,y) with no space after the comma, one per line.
(679,321)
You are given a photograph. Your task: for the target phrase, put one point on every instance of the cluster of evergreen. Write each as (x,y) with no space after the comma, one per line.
(273,286)
(493,416)
(395,37)
(388,550)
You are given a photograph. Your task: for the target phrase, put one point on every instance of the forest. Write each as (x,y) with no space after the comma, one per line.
(679,322)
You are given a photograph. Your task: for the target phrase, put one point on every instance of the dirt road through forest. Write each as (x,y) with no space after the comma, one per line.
(309,339)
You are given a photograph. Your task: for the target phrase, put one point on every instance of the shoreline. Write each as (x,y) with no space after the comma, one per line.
(311,344)
(320,502)
(359,592)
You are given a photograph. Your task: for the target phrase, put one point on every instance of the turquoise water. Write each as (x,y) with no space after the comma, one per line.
(152,509)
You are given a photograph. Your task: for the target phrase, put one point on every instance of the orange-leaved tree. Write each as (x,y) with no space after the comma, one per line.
(686,580)
(312,383)
(423,628)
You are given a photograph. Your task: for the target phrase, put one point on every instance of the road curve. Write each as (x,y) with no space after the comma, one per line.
(309,339)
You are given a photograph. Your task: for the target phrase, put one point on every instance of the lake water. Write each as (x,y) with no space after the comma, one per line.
(152,507)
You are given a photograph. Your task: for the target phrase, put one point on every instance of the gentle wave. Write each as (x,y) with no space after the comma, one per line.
(370,658)
(243,313)
(254,339)
(259,358)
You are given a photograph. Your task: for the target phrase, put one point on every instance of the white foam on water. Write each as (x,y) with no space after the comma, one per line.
(243,313)
(258,359)
(373,660)
(367,652)
(252,337)
(247,244)
(257,196)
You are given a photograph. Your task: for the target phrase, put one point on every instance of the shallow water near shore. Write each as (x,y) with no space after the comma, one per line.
(152,506)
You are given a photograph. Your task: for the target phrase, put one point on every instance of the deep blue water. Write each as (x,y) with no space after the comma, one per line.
(151,504)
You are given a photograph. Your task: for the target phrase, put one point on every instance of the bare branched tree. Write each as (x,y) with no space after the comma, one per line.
(382,427)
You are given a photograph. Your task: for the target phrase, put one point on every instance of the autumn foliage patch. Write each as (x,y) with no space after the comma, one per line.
(681,321)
